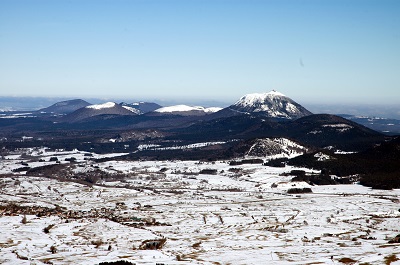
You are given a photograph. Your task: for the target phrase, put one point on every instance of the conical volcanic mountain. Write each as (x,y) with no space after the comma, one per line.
(272,104)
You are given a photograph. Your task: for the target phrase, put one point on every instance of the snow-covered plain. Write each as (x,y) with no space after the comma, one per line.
(208,212)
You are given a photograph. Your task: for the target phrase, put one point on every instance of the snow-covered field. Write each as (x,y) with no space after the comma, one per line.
(209,213)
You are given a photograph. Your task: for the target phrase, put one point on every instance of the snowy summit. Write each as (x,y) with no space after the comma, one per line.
(257,98)
(273,104)
(106,105)
(187,110)
(177,108)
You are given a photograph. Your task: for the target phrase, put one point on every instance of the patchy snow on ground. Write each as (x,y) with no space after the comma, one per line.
(322,157)
(156,147)
(274,148)
(340,127)
(208,213)
(136,111)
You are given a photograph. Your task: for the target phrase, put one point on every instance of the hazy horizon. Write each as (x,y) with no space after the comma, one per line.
(312,51)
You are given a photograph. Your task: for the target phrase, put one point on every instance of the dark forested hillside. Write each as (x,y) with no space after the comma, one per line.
(377,166)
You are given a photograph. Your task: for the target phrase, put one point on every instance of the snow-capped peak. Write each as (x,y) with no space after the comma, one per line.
(276,93)
(106,105)
(176,108)
(185,108)
(273,104)
(253,98)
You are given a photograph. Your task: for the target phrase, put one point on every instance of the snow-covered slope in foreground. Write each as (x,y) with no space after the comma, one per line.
(272,104)
(236,215)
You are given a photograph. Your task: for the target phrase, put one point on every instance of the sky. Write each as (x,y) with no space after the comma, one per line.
(318,51)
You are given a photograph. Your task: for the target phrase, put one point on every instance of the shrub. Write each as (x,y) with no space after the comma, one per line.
(97,243)
(396,239)
(196,245)
(153,244)
(71,159)
(92,179)
(281,162)
(390,259)
(347,260)
(299,190)
(53,249)
(24,220)
(20,169)
(119,262)
(208,171)
(47,228)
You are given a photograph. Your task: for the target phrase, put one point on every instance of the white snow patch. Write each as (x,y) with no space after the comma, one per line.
(177,147)
(340,127)
(102,106)
(147,146)
(132,109)
(322,157)
(314,132)
(17,115)
(340,152)
(212,109)
(182,108)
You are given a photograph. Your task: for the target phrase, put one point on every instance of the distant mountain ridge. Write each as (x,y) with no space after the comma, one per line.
(142,107)
(108,108)
(65,107)
(387,126)
(249,101)
(258,115)
(272,104)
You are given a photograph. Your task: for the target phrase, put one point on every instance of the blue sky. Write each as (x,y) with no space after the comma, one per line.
(312,51)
